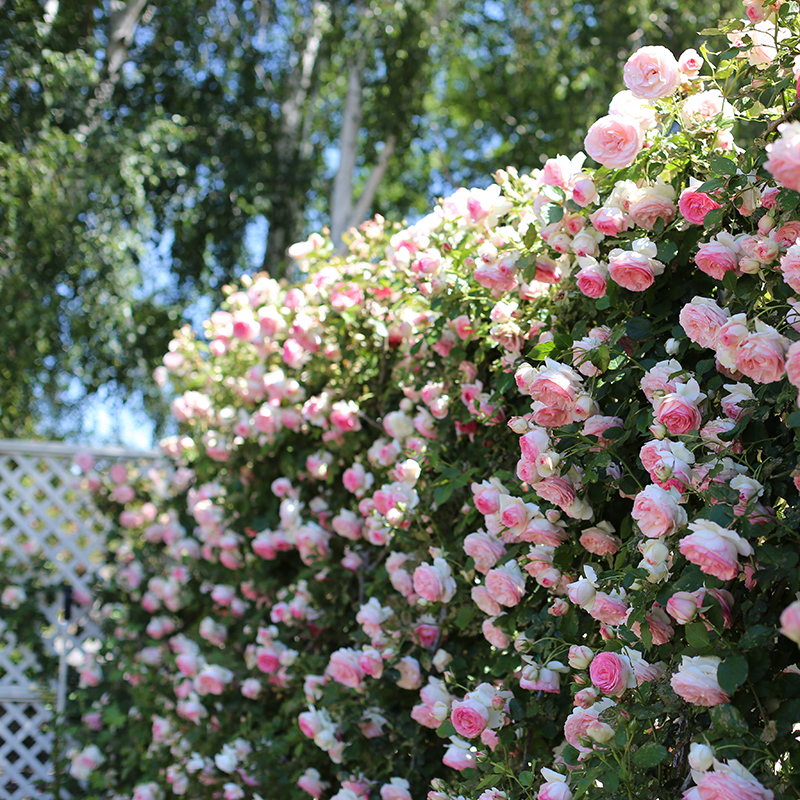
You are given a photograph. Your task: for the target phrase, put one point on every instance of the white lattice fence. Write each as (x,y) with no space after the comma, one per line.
(46,521)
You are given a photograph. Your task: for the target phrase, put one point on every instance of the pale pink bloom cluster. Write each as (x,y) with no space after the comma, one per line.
(717,780)
(484,708)
(696,681)
(758,352)
(784,156)
(714,549)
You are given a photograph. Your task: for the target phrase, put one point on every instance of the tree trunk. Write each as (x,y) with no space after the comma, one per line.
(342,195)
(287,195)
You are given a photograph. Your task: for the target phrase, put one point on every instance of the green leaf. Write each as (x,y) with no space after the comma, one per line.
(714,217)
(541,351)
(445,730)
(465,615)
(600,358)
(793,420)
(722,165)
(756,636)
(610,781)
(729,280)
(667,250)
(553,213)
(443,493)
(649,755)
(732,673)
(728,720)
(570,755)
(554,193)
(526,778)
(639,328)
(710,186)
(697,635)
(613,433)
(603,302)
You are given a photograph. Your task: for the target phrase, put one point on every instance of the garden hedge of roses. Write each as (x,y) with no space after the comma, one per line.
(503,504)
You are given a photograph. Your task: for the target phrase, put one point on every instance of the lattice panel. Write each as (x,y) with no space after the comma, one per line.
(46,520)
(24,750)
(41,511)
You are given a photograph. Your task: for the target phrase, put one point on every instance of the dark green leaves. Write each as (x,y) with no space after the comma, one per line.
(649,755)
(732,673)
(728,720)
(639,328)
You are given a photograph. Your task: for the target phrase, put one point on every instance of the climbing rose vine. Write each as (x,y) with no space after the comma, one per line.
(502,504)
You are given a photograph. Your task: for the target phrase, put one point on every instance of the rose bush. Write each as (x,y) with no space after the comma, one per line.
(501,504)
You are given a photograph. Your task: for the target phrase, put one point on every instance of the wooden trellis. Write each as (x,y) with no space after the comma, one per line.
(44,512)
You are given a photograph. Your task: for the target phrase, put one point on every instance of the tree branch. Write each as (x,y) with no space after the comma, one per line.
(375,177)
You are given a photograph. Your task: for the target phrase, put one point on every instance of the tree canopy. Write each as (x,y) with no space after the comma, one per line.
(152,152)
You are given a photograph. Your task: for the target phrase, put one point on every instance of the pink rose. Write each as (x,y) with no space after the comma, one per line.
(485,549)
(716,257)
(599,541)
(690,62)
(790,621)
(410,673)
(212,679)
(458,755)
(584,191)
(652,73)
(426,634)
(701,320)
(506,584)
(682,606)
(486,497)
(558,491)
(555,385)
(677,413)
(396,789)
(610,221)
(784,156)
(657,512)
(592,282)
(344,668)
(498,277)
(793,364)
(790,267)
(614,141)
(514,514)
(434,583)
(597,425)
(654,203)
(539,679)
(496,637)
(610,673)
(695,205)
(659,380)
(608,609)
(469,717)
(761,356)
(729,337)
(309,723)
(577,723)
(371,662)
(714,549)
(696,681)
(485,601)
(631,270)
(721,784)
(310,782)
